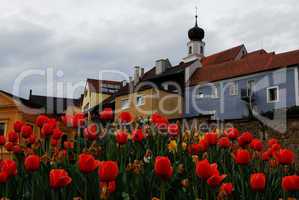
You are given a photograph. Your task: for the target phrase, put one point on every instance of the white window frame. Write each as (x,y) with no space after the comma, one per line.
(233,88)
(143,102)
(214,94)
(268,94)
(126,106)
(200,95)
(248,86)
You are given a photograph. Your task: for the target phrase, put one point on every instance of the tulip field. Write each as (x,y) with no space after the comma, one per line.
(142,159)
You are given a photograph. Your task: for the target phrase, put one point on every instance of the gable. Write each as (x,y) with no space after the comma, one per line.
(6,100)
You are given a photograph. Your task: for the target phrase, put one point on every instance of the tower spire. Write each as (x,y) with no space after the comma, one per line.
(196,16)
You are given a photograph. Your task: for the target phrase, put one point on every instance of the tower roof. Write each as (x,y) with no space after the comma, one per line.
(196,33)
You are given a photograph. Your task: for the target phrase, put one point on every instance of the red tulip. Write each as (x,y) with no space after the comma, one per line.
(158,120)
(18,125)
(266,155)
(91,132)
(215,180)
(256,144)
(4,177)
(47,129)
(59,178)
(9,166)
(13,137)
(106,114)
(86,163)
(245,138)
(242,157)
(173,129)
(68,120)
(211,138)
(32,139)
(272,141)
(108,171)
(121,137)
(227,187)
(125,117)
(9,146)
(163,167)
(205,170)
(2,140)
(78,120)
(202,146)
(258,181)
(285,156)
(224,142)
(232,133)
(290,183)
(41,120)
(54,142)
(26,131)
(68,145)
(17,149)
(137,135)
(57,133)
(32,163)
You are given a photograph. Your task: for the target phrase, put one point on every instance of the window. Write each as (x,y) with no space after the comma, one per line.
(214,93)
(233,88)
(124,103)
(272,94)
(250,87)
(2,128)
(201,49)
(200,95)
(139,100)
(190,50)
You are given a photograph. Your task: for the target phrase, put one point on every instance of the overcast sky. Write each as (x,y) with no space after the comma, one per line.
(81,37)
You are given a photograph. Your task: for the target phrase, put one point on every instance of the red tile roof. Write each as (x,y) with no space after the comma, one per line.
(224,56)
(253,62)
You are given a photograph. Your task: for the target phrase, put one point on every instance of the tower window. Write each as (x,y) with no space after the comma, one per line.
(190,50)
(201,49)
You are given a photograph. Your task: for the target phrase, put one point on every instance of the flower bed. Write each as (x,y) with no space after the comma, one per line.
(144,159)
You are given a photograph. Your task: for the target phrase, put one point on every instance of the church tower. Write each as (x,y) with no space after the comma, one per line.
(195,46)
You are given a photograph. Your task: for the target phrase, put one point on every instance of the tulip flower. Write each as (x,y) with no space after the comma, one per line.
(32,163)
(2,140)
(163,168)
(59,178)
(242,157)
(232,133)
(125,117)
(87,163)
(137,135)
(173,129)
(245,139)
(227,188)
(78,120)
(204,169)
(57,133)
(91,132)
(9,146)
(26,131)
(41,120)
(211,138)
(256,144)
(13,137)
(106,114)
(108,171)
(224,142)
(18,126)
(258,181)
(121,137)
(272,141)
(9,166)
(290,183)
(285,156)
(4,177)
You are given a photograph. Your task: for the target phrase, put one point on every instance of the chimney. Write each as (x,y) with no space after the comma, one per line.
(136,74)
(124,83)
(141,72)
(162,65)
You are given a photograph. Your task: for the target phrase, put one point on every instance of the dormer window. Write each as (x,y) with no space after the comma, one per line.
(190,50)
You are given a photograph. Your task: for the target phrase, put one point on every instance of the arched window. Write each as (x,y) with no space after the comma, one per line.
(190,50)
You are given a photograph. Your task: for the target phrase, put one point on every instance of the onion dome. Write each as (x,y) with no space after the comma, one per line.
(196,33)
